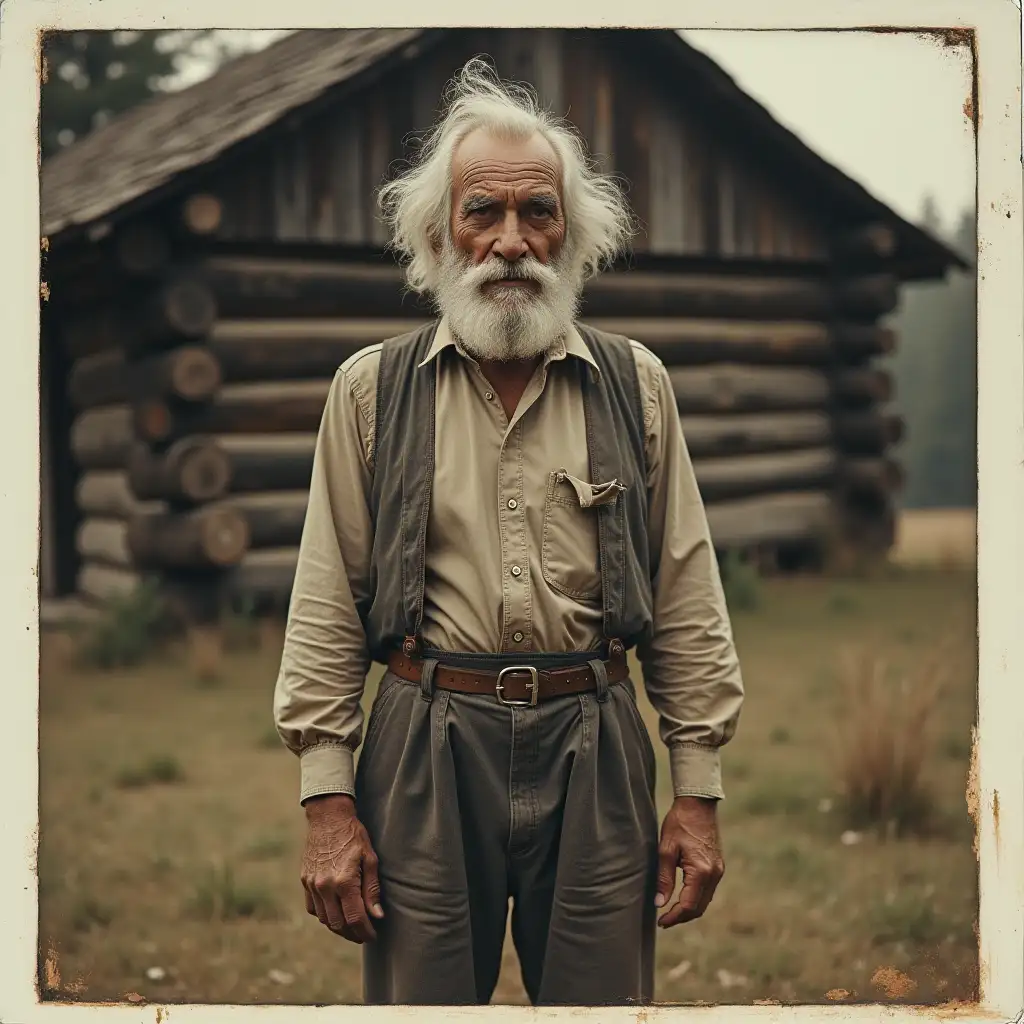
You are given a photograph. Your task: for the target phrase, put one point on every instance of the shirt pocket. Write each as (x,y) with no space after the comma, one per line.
(570,561)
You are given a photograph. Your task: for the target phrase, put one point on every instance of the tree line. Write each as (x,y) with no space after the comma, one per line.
(935,372)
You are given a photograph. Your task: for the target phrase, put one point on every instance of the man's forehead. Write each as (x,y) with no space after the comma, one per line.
(482,158)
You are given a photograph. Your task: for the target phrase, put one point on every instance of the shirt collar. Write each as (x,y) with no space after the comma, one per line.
(572,345)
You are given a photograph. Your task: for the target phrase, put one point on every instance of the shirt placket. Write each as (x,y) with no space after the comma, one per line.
(517,625)
(516,587)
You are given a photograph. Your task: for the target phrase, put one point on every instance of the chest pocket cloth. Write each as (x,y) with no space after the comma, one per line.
(569,551)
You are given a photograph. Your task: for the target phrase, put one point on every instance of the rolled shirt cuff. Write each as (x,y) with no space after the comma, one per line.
(326,768)
(696,771)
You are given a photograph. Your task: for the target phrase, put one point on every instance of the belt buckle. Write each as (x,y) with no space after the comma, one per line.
(533,684)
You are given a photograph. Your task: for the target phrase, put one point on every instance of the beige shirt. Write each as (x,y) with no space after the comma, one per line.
(511,557)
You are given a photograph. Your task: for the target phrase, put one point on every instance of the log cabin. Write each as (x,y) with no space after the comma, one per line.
(214,254)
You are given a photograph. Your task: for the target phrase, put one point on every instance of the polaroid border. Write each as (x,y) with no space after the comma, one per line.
(996,790)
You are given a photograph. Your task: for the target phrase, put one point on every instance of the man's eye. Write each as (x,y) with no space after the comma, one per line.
(541,211)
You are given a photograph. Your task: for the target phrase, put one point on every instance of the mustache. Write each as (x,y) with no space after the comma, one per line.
(497,268)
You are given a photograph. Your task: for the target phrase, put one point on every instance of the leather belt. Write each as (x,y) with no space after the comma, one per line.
(515,685)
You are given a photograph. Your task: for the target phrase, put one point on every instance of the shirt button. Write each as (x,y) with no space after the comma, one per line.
(518,637)
(489,395)
(512,503)
(516,571)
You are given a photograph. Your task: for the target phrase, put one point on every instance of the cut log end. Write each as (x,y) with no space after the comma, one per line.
(195,374)
(225,536)
(202,214)
(204,474)
(190,308)
(193,470)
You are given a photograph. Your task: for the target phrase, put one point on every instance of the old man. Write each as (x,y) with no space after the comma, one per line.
(502,505)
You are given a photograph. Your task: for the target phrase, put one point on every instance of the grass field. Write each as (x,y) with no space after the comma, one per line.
(170,832)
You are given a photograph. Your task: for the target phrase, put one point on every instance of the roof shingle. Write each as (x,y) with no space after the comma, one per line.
(150,144)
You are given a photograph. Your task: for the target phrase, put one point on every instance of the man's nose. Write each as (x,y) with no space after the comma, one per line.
(510,242)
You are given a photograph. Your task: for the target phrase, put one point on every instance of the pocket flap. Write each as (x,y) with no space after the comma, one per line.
(591,494)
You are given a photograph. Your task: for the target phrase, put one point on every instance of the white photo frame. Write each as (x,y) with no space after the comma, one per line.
(997,787)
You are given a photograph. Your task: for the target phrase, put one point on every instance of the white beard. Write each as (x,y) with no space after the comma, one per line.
(515,323)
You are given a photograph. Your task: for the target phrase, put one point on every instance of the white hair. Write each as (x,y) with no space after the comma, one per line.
(417,205)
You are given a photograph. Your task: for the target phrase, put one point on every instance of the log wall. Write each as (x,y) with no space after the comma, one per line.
(695,184)
(197,406)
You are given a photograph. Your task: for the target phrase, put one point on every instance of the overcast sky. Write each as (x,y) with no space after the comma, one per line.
(886,109)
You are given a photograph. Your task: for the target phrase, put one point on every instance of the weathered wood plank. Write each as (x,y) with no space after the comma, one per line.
(291,191)
(724,388)
(107,494)
(547,69)
(189,373)
(668,172)
(238,409)
(256,287)
(274,518)
(207,537)
(771,519)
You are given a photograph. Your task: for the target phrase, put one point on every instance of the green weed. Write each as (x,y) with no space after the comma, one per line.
(129,629)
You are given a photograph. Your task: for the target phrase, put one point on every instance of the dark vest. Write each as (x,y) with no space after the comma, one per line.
(404,471)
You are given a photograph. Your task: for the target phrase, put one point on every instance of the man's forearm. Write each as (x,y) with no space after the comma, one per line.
(691,670)
(325,660)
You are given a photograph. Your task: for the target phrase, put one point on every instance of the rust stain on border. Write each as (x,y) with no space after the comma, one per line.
(893,982)
(954,1009)
(973,793)
(949,39)
(995,817)
(51,970)
(954,37)
(50,984)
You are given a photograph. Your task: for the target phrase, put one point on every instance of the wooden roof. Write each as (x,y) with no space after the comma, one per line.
(139,156)
(171,133)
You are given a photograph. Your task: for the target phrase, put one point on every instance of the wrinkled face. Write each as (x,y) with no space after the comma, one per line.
(503,281)
(506,199)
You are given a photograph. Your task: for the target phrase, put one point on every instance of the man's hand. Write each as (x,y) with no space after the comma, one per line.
(689,840)
(339,869)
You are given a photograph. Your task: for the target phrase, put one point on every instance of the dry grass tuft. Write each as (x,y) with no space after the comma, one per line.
(158,770)
(218,896)
(884,742)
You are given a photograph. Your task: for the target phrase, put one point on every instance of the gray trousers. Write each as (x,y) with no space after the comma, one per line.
(470,804)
